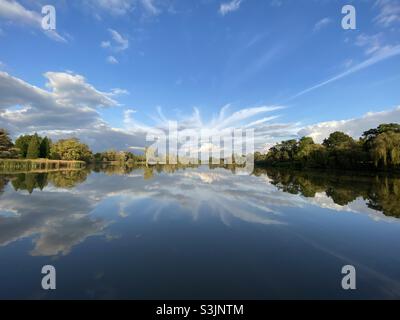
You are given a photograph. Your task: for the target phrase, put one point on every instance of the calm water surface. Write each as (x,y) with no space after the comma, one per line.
(198,233)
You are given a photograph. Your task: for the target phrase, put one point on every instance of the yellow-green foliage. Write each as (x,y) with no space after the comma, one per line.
(70,149)
(386,148)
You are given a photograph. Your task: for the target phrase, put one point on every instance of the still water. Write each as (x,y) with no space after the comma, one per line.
(198,233)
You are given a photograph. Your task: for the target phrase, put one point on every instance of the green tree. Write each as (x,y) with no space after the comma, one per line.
(338,139)
(70,149)
(284,151)
(33,151)
(98,157)
(380,146)
(304,149)
(386,127)
(22,143)
(45,148)
(385,149)
(5,140)
(6,145)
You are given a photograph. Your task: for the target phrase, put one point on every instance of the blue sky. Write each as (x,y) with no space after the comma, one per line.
(131,64)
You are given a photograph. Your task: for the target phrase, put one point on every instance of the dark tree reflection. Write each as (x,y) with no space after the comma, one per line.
(381,192)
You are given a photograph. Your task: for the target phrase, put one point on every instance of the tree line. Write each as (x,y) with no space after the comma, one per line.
(37,147)
(118,156)
(378,148)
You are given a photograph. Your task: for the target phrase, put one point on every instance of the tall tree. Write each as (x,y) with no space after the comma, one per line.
(7,149)
(22,143)
(45,148)
(33,151)
(5,141)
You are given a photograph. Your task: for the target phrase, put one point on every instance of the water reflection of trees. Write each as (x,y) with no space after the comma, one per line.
(31,181)
(381,192)
(71,178)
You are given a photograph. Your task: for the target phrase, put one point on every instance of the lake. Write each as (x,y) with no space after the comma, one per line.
(198,233)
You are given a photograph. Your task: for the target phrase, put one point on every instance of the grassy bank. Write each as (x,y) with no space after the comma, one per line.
(38,165)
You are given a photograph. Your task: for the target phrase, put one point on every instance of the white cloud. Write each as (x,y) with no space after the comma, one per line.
(15,13)
(228,7)
(112,60)
(322,23)
(150,7)
(119,91)
(265,131)
(12,11)
(119,43)
(70,108)
(67,109)
(115,7)
(69,104)
(72,89)
(238,117)
(353,127)
(105,44)
(389,12)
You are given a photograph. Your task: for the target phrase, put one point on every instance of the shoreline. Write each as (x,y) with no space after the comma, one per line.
(39,164)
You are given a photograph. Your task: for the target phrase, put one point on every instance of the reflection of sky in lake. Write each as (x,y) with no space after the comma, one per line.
(194,233)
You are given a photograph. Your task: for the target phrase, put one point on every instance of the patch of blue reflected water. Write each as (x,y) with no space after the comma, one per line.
(191,234)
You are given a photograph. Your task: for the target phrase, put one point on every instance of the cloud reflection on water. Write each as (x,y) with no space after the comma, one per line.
(61,216)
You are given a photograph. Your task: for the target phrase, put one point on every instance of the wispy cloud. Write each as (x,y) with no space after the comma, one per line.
(376,55)
(371,43)
(238,117)
(150,7)
(124,7)
(117,44)
(120,42)
(105,44)
(322,24)
(389,12)
(114,7)
(15,13)
(118,92)
(229,7)
(112,60)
